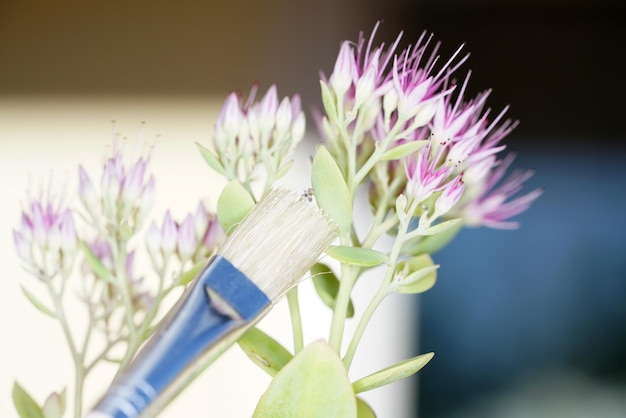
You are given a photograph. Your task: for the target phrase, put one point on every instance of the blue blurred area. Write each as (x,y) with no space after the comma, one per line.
(549,296)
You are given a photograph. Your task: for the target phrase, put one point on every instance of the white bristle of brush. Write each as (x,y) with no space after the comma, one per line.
(279,241)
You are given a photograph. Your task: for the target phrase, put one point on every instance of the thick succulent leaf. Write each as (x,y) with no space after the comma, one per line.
(211,159)
(331,190)
(403,150)
(264,351)
(392,373)
(356,256)
(37,303)
(233,205)
(363,410)
(416,275)
(327,287)
(54,406)
(314,384)
(24,404)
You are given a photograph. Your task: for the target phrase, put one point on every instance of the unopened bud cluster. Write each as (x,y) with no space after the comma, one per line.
(127,193)
(195,238)
(252,134)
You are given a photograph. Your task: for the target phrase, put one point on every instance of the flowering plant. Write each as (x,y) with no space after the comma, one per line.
(395,125)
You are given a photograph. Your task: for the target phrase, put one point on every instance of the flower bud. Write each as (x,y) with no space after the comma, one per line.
(200,221)
(22,246)
(169,235)
(344,71)
(153,239)
(186,238)
(86,190)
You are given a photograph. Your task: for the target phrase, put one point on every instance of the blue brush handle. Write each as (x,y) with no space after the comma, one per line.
(220,300)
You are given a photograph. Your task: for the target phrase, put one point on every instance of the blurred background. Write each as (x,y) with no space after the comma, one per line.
(529,323)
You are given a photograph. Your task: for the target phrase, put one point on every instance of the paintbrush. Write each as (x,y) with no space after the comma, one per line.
(266,255)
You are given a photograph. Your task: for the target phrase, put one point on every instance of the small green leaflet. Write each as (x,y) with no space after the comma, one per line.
(329,102)
(356,256)
(331,190)
(95,264)
(192,273)
(327,286)
(415,275)
(440,227)
(211,159)
(24,404)
(432,243)
(233,205)
(403,150)
(264,351)
(37,303)
(392,373)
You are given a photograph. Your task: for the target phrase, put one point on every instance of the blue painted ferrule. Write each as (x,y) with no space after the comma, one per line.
(221,299)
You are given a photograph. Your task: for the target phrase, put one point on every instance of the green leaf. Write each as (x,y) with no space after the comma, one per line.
(327,287)
(283,170)
(416,275)
(233,205)
(95,263)
(211,159)
(264,351)
(192,273)
(314,384)
(331,190)
(432,243)
(24,404)
(441,227)
(356,256)
(403,150)
(54,406)
(329,102)
(392,374)
(38,304)
(363,410)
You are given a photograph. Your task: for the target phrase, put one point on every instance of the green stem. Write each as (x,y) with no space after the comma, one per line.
(76,355)
(296,320)
(348,278)
(375,157)
(358,333)
(129,314)
(383,290)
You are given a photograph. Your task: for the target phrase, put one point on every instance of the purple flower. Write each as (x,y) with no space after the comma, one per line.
(449,197)
(424,175)
(495,205)
(46,232)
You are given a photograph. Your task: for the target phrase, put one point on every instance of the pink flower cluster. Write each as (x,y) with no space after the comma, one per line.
(46,238)
(406,99)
